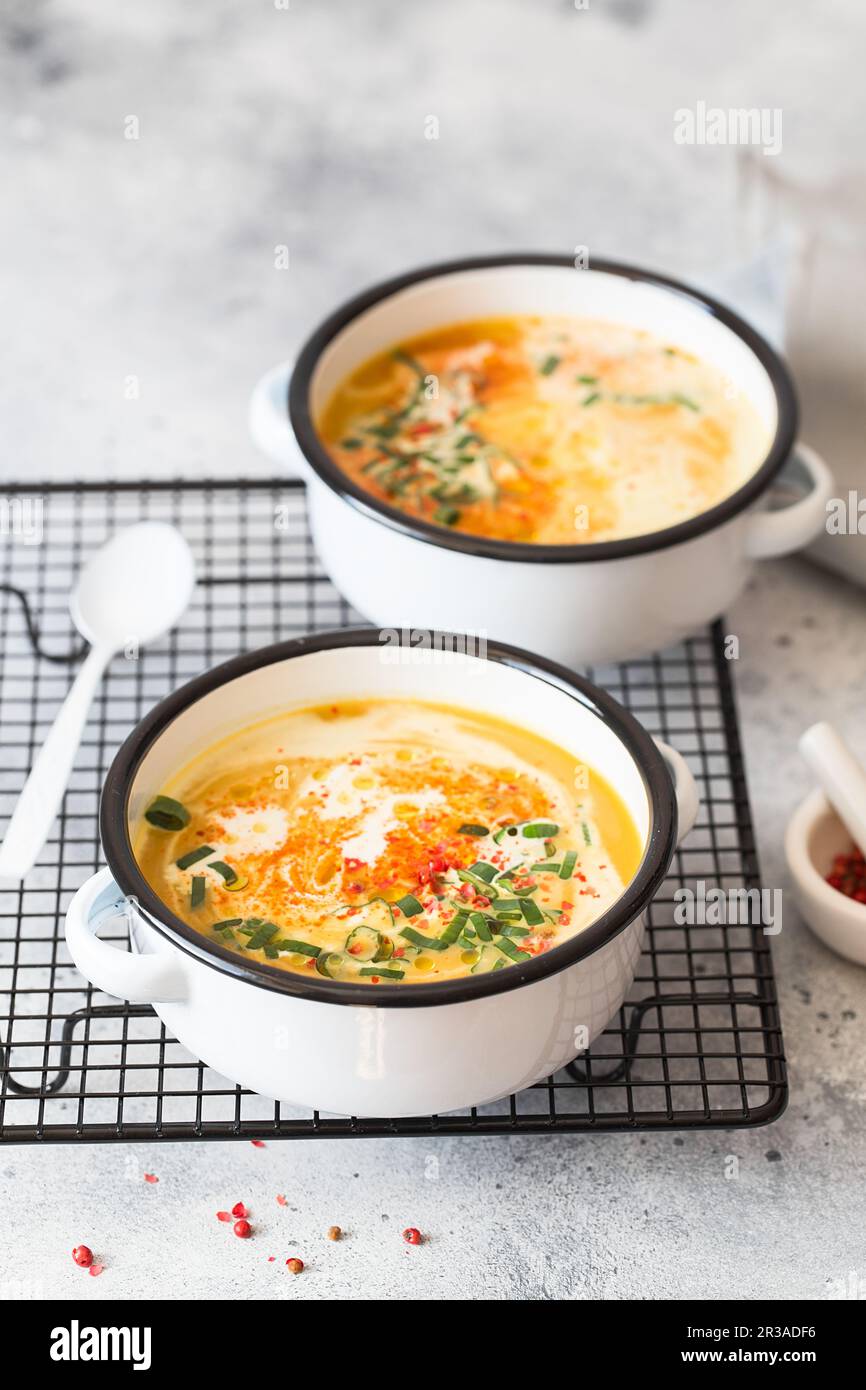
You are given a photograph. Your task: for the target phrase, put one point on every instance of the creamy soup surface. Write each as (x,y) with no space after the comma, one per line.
(550,430)
(387,841)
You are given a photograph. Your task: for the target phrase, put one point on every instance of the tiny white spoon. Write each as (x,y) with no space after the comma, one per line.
(132,590)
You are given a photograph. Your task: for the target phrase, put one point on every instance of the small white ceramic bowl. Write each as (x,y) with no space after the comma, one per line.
(815,835)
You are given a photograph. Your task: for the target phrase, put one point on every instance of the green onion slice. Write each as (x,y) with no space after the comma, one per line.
(427,943)
(539,830)
(479,830)
(379,970)
(224,870)
(454,928)
(197,890)
(532,913)
(329,963)
(186,861)
(409,906)
(509,948)
(569,861)
(363,943)
(479,922)
(300,948)
(167,814)
(483,870)
(485,885)
(263,933)
(228,923)
(511,930)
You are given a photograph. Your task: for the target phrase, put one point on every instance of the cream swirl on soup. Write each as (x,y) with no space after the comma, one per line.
(550,429)
(387,841)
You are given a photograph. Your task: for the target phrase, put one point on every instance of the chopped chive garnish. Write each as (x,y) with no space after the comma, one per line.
(549,365)
(482,885)
(539,830)
(364,943)
(569,860)
(480,924)
(224,870)
(300,948)
(505,905)
(328,964)
(509,948)
(587,836)
(167,814)
(532,913)
(186,861)
(261,935)
(481,869)
(588,380)
(427,943)
(409,906)
(454,928)
(380,970)
(479,830)
(591,398)
(197,890)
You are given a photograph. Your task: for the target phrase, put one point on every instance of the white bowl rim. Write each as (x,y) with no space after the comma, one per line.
(329,472)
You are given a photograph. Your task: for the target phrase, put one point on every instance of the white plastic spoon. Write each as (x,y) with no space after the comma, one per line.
(131,591)
(840,774)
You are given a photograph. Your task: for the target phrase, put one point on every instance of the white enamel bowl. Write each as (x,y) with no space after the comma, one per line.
(376,1050)
(576,604)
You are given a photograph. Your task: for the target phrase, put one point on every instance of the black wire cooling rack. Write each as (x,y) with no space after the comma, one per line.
(697,1045)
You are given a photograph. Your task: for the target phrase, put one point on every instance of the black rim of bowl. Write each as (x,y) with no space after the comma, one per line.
(340,483)
(658,850)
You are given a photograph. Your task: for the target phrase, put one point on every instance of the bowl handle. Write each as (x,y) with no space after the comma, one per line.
(790,528)
(685,788)
(140,979)
(269,421)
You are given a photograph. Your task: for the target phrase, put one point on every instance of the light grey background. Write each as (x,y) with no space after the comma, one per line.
(153,259)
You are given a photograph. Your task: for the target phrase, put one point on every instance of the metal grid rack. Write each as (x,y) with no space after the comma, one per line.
(698,1044)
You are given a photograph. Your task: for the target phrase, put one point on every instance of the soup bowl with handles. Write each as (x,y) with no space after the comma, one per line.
(378,1049)
(582,603)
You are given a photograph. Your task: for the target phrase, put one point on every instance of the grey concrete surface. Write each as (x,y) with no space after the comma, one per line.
(139,278)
